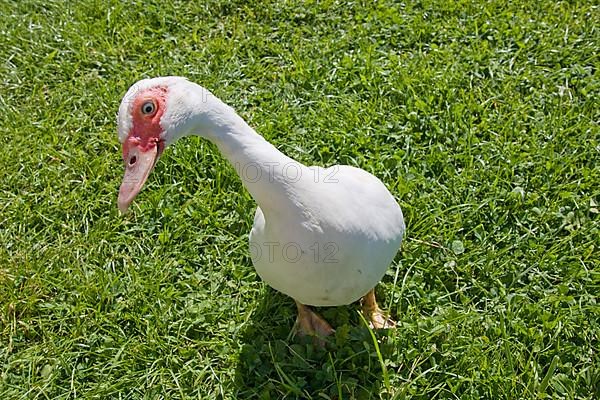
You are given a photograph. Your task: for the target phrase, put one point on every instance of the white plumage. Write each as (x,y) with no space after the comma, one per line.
(336,237)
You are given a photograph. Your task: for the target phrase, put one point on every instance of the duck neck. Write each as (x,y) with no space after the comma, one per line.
(268,174)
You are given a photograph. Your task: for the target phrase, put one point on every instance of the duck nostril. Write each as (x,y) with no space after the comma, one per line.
(132,160)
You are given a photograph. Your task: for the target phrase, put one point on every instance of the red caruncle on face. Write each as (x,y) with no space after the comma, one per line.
(146,111)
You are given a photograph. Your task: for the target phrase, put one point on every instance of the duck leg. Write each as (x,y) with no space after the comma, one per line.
(377,319)
(309,323)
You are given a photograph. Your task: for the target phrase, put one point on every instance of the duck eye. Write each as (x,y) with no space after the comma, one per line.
(148,108)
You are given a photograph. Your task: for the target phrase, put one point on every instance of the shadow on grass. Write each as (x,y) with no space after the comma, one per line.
(273,364)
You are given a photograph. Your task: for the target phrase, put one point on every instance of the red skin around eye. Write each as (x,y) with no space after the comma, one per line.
(146,129)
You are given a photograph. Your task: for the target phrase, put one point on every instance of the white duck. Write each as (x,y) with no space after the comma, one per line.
(324,237)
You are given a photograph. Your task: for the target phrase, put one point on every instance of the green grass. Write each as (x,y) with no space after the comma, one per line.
(481,117)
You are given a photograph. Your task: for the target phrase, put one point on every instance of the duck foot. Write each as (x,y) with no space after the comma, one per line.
(309,323)
(377,319)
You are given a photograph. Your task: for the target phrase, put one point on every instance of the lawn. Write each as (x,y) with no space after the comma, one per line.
(482,118)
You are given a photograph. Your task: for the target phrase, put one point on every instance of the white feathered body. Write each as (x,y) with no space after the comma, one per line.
(336,241)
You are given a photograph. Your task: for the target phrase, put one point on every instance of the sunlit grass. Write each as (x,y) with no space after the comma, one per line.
(481,118)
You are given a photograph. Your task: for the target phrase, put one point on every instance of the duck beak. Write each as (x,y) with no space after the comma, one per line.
(138,165)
